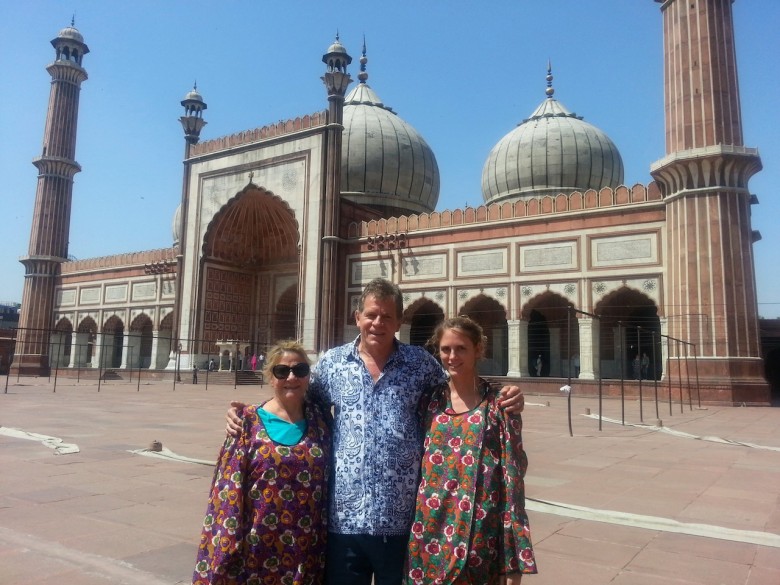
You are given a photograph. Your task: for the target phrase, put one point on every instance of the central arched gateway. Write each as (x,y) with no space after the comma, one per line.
(250,262)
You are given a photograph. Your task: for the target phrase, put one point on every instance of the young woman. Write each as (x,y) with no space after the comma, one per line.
(470,522)
(267,511)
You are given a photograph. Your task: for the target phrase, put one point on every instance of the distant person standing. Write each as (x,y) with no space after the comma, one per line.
(195,374)
(576,362)
(645,365)
(253,362)
(539,366)
(635,365)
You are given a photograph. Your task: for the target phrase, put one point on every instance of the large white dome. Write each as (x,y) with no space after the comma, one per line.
(386,164)
(553,151)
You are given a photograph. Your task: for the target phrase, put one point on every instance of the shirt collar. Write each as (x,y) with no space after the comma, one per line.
(354,352)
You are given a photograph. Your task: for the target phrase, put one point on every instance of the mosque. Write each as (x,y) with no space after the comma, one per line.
(565,267)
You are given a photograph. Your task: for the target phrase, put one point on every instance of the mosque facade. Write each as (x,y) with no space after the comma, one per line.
(567,269)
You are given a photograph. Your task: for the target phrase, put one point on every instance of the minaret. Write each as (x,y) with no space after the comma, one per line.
(336,80)
(51,217)
(192,123)
(710,277)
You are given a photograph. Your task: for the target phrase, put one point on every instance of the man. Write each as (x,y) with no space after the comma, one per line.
(374,385)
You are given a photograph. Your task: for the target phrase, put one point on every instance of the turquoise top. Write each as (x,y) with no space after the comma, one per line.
(280,430)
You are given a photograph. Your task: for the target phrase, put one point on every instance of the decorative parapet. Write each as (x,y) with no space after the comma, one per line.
(158,257)
(525,209)
(264,133)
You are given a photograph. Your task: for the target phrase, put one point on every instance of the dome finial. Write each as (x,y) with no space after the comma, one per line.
(363,75)
(550,91)
(73,20)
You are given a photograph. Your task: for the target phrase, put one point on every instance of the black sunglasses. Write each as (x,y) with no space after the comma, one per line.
(282,372)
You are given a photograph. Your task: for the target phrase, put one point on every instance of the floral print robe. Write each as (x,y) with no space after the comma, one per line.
(266,519)
(470,523)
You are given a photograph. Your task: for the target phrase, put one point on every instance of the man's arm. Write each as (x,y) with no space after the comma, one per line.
(234,422)
(511,399)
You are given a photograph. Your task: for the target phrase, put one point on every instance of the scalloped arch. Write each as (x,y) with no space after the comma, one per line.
(253,228)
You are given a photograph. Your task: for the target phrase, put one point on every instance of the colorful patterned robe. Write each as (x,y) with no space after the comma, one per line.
(470,523)
(266,520)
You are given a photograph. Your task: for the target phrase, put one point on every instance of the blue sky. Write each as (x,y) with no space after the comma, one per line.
(462,73)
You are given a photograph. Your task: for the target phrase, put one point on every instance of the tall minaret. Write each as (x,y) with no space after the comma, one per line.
(336,81)
(710,277)
(51,217)
(192,122)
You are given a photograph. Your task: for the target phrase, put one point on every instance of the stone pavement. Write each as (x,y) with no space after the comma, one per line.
(628,505)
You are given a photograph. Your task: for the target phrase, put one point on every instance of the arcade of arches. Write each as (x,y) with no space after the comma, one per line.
(112,346)
(627,328)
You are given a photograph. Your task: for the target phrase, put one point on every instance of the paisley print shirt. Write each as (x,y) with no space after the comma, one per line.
(377,436)
(266,521)
(470,524)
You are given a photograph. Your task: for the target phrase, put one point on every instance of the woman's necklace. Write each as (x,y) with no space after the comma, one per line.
(460,403)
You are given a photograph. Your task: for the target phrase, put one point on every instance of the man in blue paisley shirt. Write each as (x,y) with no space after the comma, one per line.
(374,386)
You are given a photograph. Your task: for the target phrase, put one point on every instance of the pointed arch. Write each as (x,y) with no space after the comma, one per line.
(113,342)
(491,315)
(255,228)
(165,349)
(140,342)
(61,343)
(553,335)
(423,316)
(167,322)
(630,327)
(254,235)
(85,343)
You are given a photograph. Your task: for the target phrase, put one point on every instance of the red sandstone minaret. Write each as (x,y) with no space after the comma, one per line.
(51,217)
(336,81)
(710,277)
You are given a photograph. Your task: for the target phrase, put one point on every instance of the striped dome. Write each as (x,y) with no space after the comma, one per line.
(386,164)
(553,151)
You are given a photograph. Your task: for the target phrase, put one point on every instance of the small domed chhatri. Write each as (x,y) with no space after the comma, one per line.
(194,95)
(386,164)
(337,47)
(553,151)
(69,32)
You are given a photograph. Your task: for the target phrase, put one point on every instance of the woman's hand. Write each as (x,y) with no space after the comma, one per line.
(233,419)
(511,399)
(512,579)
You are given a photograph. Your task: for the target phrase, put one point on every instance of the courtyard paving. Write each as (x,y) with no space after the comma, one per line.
(692,501)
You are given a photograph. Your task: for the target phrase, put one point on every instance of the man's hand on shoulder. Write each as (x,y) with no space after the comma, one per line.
(233,419)
(511,399)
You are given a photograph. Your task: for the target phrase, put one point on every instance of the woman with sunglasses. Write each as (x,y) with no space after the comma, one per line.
(470,524)
(267,510)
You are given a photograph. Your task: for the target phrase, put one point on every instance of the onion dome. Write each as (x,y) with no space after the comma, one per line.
(69,32)
(553,151)
(193,95)
(386,164)
(337,48)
